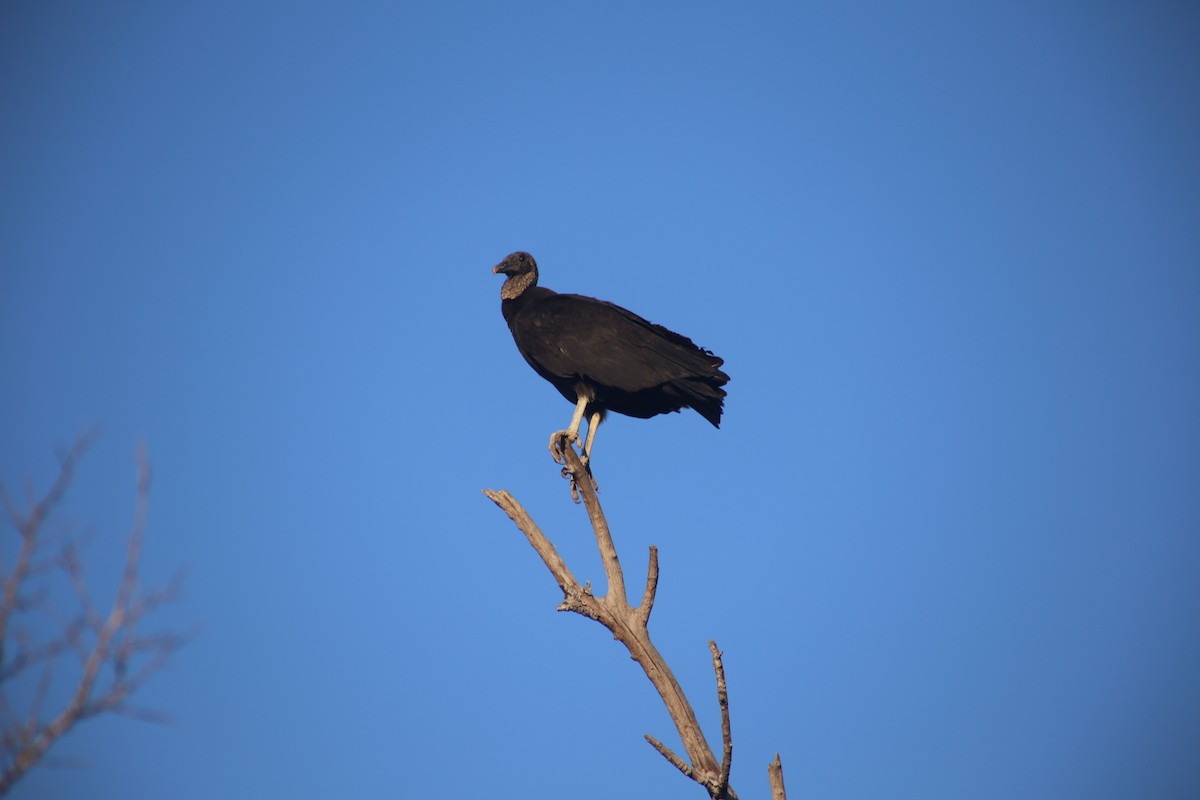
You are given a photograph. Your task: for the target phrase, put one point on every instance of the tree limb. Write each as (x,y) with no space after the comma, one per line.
(29,525)
(775,775)
(629,625)
(115,659)
(726,732)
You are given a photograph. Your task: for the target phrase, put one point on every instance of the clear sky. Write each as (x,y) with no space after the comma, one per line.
(948,535)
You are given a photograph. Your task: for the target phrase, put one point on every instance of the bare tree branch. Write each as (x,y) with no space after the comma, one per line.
(558,568)
(29,525)
(775,774)
(670,756)
(629,625)
(726,732)
(115,659)
(643,611)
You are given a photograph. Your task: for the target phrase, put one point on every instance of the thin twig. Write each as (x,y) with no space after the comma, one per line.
(115,648)
(24,659)
(554,562)
(669,755)
(775,775)
(29,525)
(647,605)
(608,551)
(726,733)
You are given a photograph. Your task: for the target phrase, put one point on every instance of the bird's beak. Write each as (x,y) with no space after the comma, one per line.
(496,269)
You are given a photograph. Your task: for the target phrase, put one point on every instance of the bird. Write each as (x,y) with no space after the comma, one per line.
(602,357)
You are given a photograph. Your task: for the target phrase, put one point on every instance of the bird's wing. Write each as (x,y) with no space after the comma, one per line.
(576,336)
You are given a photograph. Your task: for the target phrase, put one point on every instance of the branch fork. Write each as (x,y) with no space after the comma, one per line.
(629,625)
(115,658)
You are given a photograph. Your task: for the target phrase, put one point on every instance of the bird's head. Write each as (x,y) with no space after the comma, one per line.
(519,263)
(522,273)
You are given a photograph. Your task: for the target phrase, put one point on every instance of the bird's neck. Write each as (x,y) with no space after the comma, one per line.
(515,285)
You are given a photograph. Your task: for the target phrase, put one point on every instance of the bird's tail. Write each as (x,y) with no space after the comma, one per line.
(705,395)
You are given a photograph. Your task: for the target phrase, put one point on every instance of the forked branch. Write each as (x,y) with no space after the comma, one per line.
(629,625)
(116,659)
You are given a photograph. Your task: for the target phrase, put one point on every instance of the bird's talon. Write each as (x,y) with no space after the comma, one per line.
(559,441)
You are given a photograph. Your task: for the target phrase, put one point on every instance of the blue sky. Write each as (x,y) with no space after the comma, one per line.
(947,536)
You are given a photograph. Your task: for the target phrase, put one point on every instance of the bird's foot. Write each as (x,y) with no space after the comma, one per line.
(559,441)
(570,476)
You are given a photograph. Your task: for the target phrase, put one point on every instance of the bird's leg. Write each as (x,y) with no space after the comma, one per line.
(593,424)
(564,438)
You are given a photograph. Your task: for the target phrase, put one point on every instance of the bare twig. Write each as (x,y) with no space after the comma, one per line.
(775,775)
(604,541)
(115,659)
(643,611)
(726,732)
(670,756)
(29,525)
(558,568)
(629,625)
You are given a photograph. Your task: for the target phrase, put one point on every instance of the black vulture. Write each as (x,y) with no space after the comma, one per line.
(603,358)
